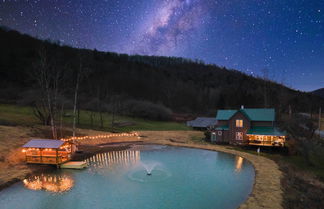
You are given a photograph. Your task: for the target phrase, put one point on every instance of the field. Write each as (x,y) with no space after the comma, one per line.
(23,116)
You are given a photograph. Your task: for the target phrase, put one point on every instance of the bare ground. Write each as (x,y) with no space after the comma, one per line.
(12,165)
(12,161)
(301,189)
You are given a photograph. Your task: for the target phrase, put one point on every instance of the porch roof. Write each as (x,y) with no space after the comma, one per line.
(268,131)
(222,128)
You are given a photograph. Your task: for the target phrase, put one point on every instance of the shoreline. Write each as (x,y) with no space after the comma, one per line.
(266,191)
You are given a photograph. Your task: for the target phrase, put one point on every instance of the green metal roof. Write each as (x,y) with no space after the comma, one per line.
(262,114)
(222,128)
(253,114)
(268,131)
(225,114)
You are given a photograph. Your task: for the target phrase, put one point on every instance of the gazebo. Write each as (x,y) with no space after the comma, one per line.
(48,151)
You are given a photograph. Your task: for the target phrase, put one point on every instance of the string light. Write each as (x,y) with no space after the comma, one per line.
(101,136)
(135,134)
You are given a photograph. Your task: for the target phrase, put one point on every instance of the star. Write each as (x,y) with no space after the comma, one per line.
(236,34)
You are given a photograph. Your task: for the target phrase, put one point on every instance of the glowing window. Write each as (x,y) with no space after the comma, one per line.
(239,123)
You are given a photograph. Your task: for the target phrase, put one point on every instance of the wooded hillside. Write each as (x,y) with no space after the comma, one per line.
(135,85)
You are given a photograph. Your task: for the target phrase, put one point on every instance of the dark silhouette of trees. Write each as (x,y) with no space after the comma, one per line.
(177,84)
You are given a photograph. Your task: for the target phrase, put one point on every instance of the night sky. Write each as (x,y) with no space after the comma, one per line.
(286,37)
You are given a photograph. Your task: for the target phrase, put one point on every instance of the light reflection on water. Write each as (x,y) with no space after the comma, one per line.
(238,163)
(49,182)
(125,158)
(186,178)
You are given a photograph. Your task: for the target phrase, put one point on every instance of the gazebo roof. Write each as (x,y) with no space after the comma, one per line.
(44,143)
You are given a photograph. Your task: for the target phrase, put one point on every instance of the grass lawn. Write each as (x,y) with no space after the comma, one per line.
(295,160)
(300,163)
(20,115)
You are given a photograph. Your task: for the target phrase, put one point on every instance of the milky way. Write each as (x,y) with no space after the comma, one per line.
(173,23)
(286,37)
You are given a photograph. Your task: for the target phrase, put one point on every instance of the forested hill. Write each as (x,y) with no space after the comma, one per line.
(181,85)
(319,92)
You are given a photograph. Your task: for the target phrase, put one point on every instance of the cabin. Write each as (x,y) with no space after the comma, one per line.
(247,126)
(48,151)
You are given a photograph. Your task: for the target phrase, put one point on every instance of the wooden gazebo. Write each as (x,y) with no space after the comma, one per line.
(48,151)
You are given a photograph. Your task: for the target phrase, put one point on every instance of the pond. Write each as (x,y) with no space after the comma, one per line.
(180,178)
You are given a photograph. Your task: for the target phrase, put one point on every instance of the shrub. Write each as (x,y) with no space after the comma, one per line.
(147,110)
(7,123)
(207,135)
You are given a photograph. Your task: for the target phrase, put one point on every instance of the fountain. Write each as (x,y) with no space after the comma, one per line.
(149,167)
(154,170)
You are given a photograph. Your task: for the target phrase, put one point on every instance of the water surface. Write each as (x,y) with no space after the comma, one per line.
(181,178)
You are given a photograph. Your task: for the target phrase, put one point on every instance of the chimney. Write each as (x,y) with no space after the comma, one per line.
(242,107)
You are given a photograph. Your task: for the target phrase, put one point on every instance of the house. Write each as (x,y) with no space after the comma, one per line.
(202,123)
(247,126)
(48,151)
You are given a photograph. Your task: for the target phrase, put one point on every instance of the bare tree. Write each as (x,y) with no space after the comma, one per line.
(48,78)
(114,108)
(76,90)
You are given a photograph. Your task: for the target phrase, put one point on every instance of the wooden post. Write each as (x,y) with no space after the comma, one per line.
(41,155)
(57,156)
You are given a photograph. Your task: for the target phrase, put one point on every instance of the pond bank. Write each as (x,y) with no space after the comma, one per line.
(267,191)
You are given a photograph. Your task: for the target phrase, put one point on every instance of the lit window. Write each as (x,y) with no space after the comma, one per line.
(239,135)
(219,133)
(239,123)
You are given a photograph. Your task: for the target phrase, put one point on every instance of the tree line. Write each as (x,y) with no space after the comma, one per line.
(52,78)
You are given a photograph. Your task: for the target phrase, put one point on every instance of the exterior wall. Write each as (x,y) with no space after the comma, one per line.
(222,123)
(233,129)
(223,137)
(219,136)
(261,123)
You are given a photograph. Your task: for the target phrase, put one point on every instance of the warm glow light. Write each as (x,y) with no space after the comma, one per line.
(102,136)
(52,183)
(238,163)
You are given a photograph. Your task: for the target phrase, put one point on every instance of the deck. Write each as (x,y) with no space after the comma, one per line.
(74,165)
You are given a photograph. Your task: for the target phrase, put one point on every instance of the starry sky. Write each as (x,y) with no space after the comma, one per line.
(283,39)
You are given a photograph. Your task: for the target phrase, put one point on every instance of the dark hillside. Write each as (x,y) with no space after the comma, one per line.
(182,85)
(319,92)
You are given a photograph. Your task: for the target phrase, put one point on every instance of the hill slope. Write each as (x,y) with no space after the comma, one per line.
(116,79)
(319,92)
